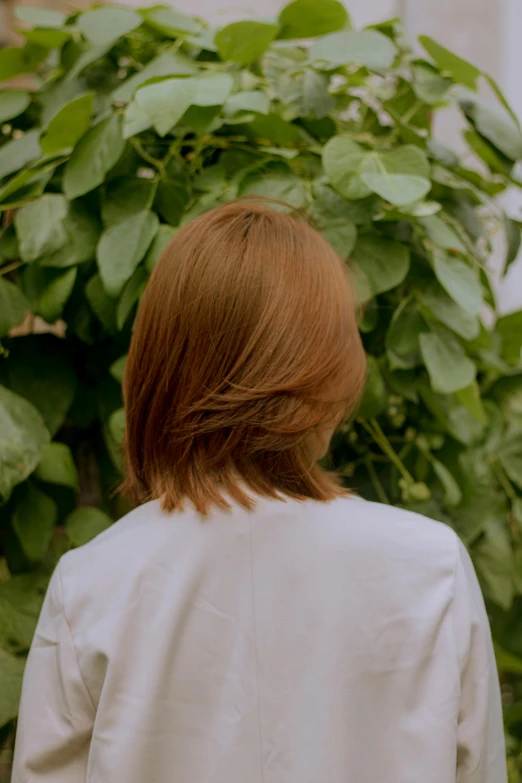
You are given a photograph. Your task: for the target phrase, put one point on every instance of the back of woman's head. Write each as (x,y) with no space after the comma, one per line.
(244,346)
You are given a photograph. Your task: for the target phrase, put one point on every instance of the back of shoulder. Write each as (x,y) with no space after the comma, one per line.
(120,549)
(391,534)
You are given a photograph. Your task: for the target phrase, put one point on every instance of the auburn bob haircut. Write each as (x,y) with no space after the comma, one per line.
(245,343)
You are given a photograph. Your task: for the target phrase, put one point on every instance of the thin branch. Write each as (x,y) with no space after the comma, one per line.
(11,267)
(381,493)
(374,430)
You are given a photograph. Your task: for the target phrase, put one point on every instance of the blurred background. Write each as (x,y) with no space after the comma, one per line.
(485,32)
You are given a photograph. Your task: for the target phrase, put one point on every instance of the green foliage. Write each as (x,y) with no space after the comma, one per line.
(147,118)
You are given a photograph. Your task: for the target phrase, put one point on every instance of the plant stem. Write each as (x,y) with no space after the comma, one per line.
(374,430)
(412,111)
(381,493)
(11,267)
(503,479)
(158,164)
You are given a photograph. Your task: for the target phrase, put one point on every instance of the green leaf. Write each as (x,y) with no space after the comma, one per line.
(211,89)
(493,559)
(40,17)
(448,312)
(117,368)
(94,156)
(165,64)
(510,455)
(39,370)
(39,226)
(341,234)
(496,162)
(460,70)
(11,677)
(57,466)
(12,103)
(374,398)
(160,242)
(23,439)
(13,306)
(26,185)
(406,159)
(34,519)
(470,398)
(275,129)
(121,248)
(68,126)
(9,249)
(117,425)
(245,42)
(172,197)
(509,327)
(516,510)
(507,662)
(316,100)
(441,234)
(384,262)
(497,126)
(452,491)
(247,100)
(400,176)
(501,97)
(21,600)
(164,103)
(85,523)
(17,153)
(50,39)
(360,47)
(513,241)
(48,290)
(343,161)
(398,189)
(308,19)
(459,280)
(86,58)
(402,382)
(135,121)
(102,305)
(448,366)
(202,40)
(285,187)
(402,337)
(171,22)
(15,61)
(429,86)
(130,296)
(82,231)
(124,197)
(102,26)
(333,219)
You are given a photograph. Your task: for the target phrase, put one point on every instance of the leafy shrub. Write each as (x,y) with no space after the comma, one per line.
(138,121)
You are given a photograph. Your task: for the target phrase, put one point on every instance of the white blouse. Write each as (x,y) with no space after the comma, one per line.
(301,642)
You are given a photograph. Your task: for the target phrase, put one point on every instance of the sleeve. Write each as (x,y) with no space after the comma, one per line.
(56,711)
(480,733)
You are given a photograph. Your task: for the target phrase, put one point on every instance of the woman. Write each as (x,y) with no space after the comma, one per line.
(251,621)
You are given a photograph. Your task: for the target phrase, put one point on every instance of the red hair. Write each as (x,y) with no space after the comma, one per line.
(245,343)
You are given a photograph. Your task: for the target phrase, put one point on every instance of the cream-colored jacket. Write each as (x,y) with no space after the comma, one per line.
(300,642)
